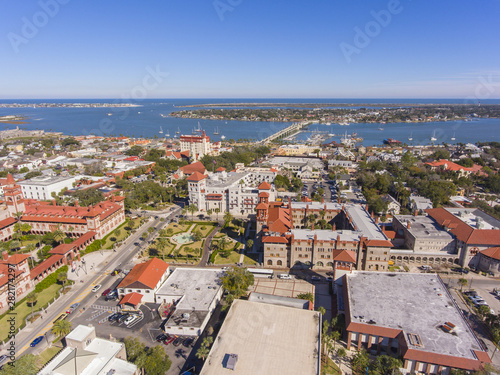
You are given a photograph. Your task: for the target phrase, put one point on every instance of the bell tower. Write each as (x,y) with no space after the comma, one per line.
(13,196)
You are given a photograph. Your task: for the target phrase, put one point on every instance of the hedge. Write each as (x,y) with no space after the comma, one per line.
(49,280)
(94,246)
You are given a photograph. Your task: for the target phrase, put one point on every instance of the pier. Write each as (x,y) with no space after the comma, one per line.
(287,132)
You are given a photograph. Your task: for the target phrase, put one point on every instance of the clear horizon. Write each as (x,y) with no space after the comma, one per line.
(231,49)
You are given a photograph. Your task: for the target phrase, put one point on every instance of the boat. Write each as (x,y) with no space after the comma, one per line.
(344,123)
(110,114)
(392,142)
(161,130)
(411,137)
(167,133)
(433,138)
(331,135)
(198,129)
(453,138)
(178,131)
(380,128)
(223,137)
(216,131)
(328,123)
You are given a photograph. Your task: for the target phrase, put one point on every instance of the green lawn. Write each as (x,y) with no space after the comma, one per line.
(248,260)
(108,244)
(177,228)
(48,354)
(233,258)
(208,228)
(23,310)
(155,252)
(329,367)
(194,245)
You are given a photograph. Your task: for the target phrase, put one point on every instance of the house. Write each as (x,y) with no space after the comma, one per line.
(14,278)
(142,282)
(393,206)
(419,204)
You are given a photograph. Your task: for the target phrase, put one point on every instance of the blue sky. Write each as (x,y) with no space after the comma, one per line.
(251,49)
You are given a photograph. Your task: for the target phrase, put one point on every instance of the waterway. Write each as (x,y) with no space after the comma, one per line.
(146,121)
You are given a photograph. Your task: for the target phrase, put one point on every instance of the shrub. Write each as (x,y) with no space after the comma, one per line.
(50,280)
(112,239)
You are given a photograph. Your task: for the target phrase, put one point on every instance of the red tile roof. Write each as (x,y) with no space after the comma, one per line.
(196,176)
(7,222)
(492,252)
(274,239)
(265,186)
(46,264)
(263,194)
(379,243)
(344,256)
(62,249)
(194,167)
(262,206)
(145,275)
(220,169)
(279,220)
(131,298)
(15,259)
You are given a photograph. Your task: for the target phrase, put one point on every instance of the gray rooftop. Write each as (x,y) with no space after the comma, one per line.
(416,303)
(80,333)
(197,286)
(276,340)
(45,180)
(279,300)
(326,235)
(423,227)
(475,218)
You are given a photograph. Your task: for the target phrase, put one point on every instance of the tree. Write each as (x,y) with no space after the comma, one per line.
(61,327)
(197,236)
(134,151)
(360,362)
(335,335)
(210,212)
(462,282)
(341,353)
(58,235)
(387,365)
(309,296)
(249,245)
(192,209)
(236,281)
(62,277)
(483,311)
(31,299)
(25,365)
(204,349)
(228,217)
(217,211)
(162,244)
(321,310)
(157,362)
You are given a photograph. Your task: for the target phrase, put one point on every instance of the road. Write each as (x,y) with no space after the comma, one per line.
(206,246)
(82,292)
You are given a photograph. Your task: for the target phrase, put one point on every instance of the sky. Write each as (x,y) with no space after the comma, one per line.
(249,49)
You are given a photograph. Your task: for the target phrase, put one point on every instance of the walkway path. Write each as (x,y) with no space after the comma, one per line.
(206,247)
(178,245)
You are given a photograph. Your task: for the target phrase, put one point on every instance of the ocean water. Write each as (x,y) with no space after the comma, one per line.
(151,115)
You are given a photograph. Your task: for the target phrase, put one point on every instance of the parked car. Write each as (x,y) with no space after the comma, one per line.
(161,337)
(169,340)
(188,342)
(96,288)
(130,319)
(72,308)
(116,272)
(496,292)
(285,276)
(177,341)
(114,316)
(36,341)
(122,318)
(61,317)
(460,270)
(316,278)
(106,292)
(112,295)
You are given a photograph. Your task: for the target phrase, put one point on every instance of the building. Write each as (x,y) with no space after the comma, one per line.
(142,282)
(355,240)
(296,149)
(87,354)
(42,187)
(14,277)
(447,165)
(393,206)
(419,204)
(422,324)
(189,169)
(489,260)
(233,192)
(189,296)
(198,145)
(262,338)
(473,229)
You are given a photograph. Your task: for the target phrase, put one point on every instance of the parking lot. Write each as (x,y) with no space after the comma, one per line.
(146,327)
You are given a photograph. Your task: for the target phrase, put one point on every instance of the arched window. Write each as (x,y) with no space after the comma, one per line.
(279,263)
(269,262)
(320,264)
(329,264)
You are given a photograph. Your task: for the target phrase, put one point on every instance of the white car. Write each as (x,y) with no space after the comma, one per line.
(96,288)
(130,319)
(285,276)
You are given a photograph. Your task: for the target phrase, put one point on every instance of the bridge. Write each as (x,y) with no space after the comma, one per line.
(283,133)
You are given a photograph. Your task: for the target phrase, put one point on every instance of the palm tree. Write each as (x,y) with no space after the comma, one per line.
(58,235)
(462,282)
(32,298)
(335,335)
(62,277)
(210,212)
(217,210)
(61,328)
(18,215)
(162,243)
(192,209)
(228,217)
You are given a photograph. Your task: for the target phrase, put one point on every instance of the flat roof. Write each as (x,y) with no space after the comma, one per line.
(326,235)
(475,218)
(80,333)
(46,180)
(416,303)
(276,340)
(364,223)
(197,286)
(423,227)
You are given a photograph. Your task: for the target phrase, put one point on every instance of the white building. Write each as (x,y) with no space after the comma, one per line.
(237,193)
(87,354)
(198,145)
(195,292)
(42,187)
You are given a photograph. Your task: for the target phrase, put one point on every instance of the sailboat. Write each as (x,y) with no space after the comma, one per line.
(433,138)
(167,133)
(411,137)
(216,131)
(453,138)
(178,131)
(223,137)
(161,130)
(198,129)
